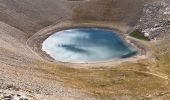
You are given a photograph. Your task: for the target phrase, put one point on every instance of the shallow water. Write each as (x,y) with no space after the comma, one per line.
(87,45)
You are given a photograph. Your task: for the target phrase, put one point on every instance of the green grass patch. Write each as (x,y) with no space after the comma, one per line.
(139,35)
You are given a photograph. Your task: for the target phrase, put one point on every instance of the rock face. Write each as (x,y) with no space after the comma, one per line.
(155,19)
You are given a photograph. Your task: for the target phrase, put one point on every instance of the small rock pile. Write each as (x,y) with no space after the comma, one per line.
(13,95)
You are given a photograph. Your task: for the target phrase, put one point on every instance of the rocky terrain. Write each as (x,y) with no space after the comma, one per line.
(19,20)
(25,75)
(155,20)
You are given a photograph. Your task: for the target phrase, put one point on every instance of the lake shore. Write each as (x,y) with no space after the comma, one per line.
(35,43)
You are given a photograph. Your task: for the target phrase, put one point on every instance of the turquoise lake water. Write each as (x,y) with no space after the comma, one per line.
(87,45)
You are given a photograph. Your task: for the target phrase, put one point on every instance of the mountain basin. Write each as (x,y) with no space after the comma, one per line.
(82,45)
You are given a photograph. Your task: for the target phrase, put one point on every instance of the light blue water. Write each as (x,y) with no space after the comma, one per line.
(87,45)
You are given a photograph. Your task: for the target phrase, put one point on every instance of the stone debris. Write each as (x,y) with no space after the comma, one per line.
(155,20)
(13,95)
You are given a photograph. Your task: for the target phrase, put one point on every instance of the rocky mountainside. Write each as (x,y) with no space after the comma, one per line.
(155,19)
(30,16)
(21,75)
(126,11)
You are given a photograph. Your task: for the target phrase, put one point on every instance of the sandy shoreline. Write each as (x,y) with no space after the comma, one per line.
(35,43)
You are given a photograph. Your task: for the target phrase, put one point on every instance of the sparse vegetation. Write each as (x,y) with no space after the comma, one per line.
(135,80)
(139,35)
(146,79)
(107,83)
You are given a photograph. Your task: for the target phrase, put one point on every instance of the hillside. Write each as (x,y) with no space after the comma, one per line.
(26,72)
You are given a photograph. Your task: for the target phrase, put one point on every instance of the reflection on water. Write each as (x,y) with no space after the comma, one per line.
(86,45)
(73,48)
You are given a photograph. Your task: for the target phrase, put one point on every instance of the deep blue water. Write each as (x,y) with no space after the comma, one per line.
(87,45)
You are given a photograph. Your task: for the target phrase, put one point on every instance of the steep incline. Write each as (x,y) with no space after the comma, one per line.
(19,73)
(126,11)
(13,48)
(30,15)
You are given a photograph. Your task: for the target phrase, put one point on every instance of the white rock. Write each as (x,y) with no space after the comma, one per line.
(146,34)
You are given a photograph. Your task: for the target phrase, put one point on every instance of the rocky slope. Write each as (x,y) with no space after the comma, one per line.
(21,78)
(18,21)
(155,19)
